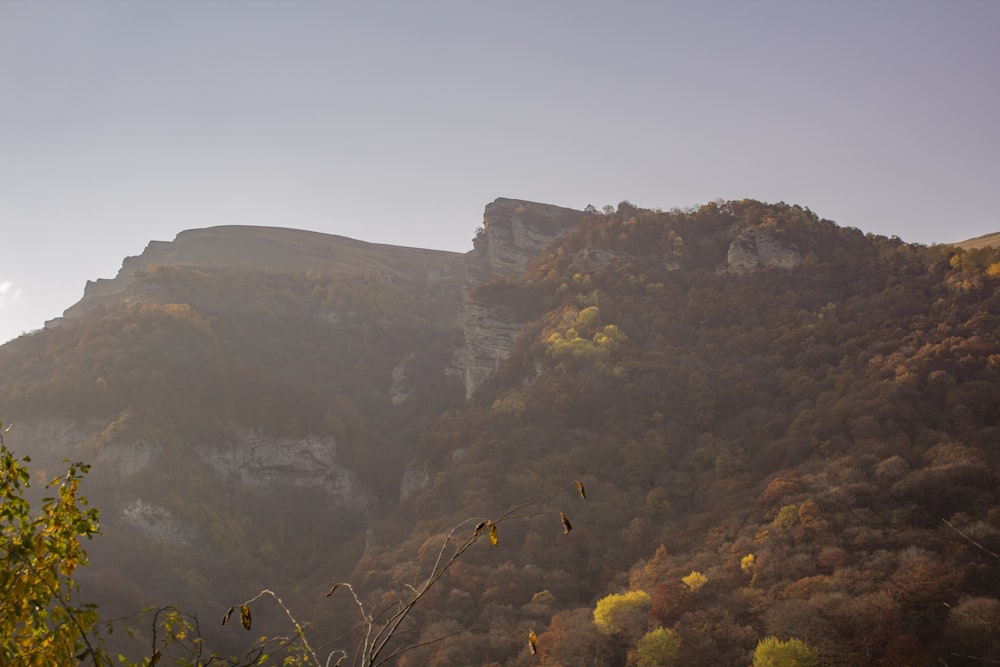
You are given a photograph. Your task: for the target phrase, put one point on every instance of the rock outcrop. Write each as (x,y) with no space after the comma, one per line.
(513,233)
(155,522)
(490,333)
(258,459)
(754,249)
(251,458)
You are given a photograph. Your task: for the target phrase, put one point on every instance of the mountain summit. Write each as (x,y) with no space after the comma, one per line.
(785,429)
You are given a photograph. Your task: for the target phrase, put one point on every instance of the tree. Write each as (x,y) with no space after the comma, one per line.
(772,652)
(623,614)
(41,622)
(695,580)
(572,639)
(659,647)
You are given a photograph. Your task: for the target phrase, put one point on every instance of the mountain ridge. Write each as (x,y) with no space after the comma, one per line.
(747,391)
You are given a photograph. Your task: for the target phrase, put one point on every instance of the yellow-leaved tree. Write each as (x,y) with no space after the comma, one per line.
(772,652)
(624,615)
(41,623)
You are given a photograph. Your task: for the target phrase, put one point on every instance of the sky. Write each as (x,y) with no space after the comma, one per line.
(127,121)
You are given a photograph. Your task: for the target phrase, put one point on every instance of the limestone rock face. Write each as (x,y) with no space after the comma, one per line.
(155,522)
(514,231)
(490,334)
(258,459)
(131,457)
(251,458)
(414,480)
(400,387)
(754,249)
(58,437)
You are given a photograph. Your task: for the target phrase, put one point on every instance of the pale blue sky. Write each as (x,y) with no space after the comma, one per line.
(396,122)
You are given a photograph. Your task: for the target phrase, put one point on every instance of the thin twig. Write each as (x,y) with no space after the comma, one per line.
(299,632)
(947,523)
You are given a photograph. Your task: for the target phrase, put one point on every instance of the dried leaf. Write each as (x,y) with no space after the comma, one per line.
(566,525)
(579,487)
(330,592)
(494,540)
(156,657)
(225,619)
(245,616)
(532,642)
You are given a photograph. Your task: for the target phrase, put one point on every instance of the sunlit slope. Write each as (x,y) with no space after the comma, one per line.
(803,415)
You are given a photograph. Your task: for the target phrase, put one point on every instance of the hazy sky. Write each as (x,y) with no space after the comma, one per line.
(396,122)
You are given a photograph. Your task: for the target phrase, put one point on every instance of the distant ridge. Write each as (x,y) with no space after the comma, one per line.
(276,249)
(980,241)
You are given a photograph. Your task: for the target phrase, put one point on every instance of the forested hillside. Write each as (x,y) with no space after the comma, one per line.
(239,422)
(819,442)
(785,428)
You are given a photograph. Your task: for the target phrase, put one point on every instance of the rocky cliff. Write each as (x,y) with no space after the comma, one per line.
(252,459)
(513,232)
(753,248)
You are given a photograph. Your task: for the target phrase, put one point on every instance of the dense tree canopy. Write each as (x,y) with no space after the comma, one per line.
(795,451)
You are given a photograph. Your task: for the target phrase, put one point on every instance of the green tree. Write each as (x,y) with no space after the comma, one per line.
(41,623)
(659,647)
(772,652)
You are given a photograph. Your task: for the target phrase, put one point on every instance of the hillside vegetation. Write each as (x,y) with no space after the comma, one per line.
(818,442)
(786,429)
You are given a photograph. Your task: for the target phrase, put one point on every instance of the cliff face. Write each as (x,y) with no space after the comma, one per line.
(753,249)
(259,460)
(490,333)
(513,233)
(253,460)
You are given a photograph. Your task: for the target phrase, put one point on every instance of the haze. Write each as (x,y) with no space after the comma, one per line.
(396,123)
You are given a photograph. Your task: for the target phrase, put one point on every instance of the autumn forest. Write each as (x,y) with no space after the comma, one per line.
(787,432)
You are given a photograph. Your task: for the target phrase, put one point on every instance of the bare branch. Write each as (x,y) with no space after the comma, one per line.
(977,544)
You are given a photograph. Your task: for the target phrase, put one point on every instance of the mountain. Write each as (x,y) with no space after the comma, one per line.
(802,415)
(242,389)
(983,241)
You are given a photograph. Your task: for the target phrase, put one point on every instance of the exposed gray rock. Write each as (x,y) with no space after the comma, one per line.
(490,333)
(399,385)
(129,458)
(754,249)
(155,522)
(258,459)
(414,480)
(65,437)
(515,231)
